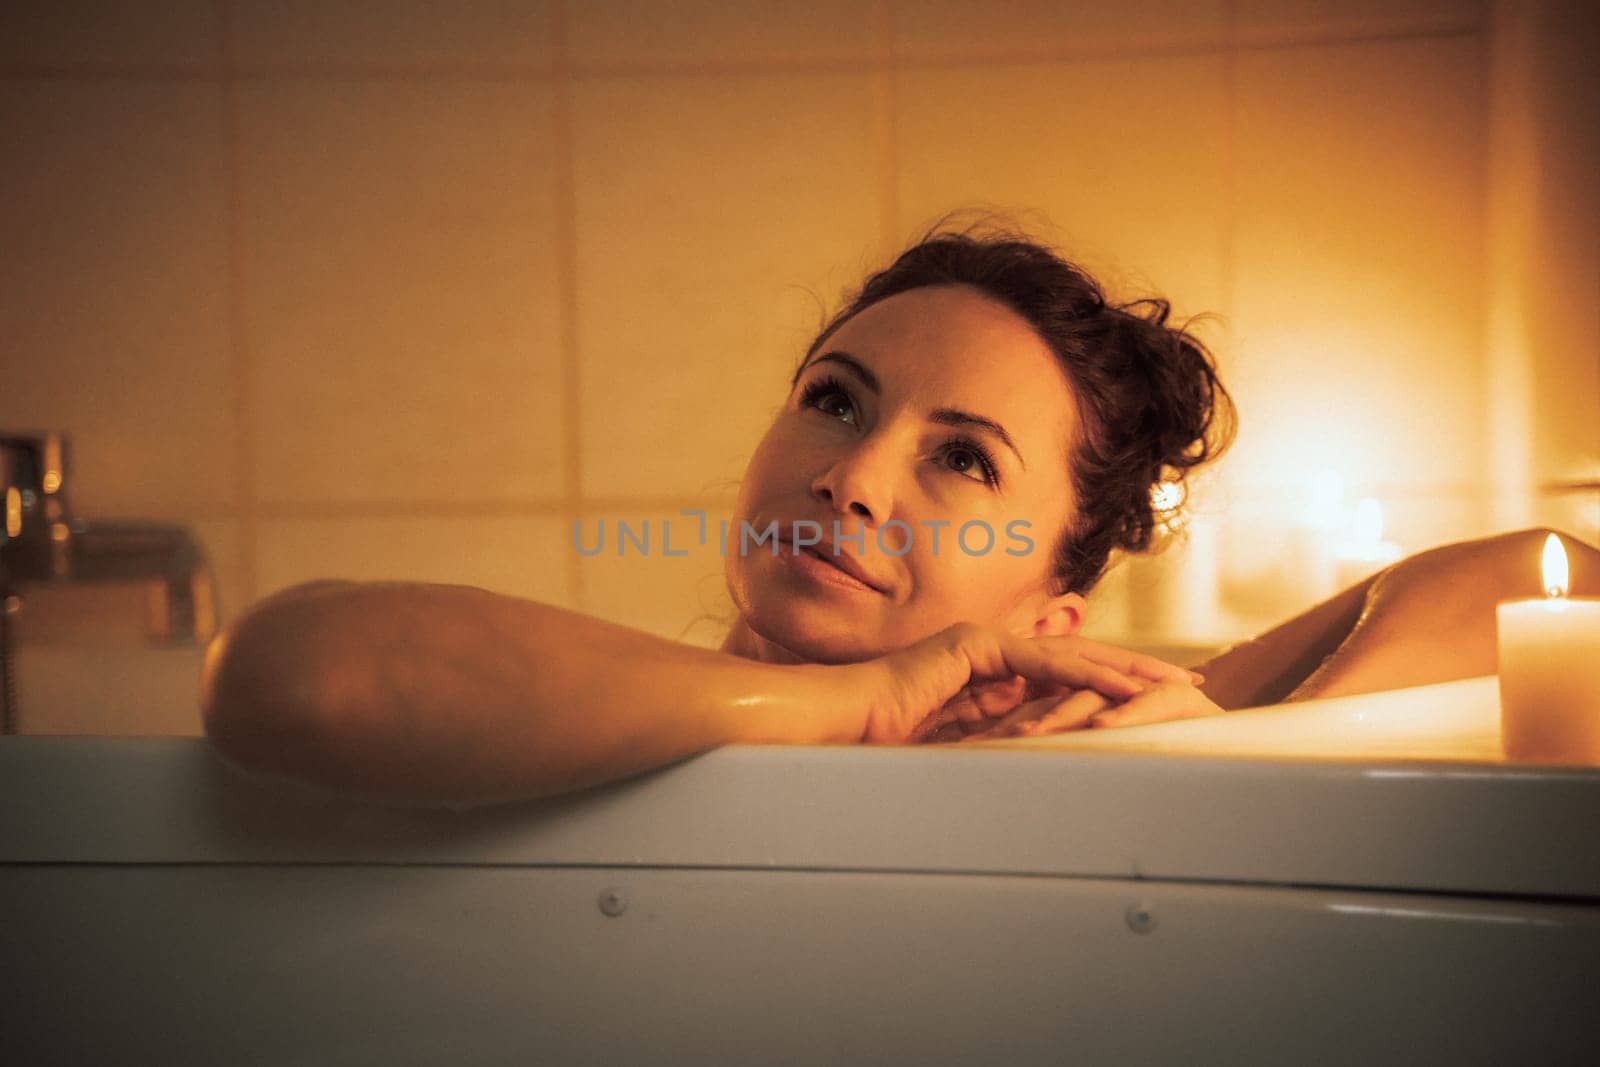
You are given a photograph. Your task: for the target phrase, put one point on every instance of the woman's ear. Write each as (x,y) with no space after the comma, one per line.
(1043,615)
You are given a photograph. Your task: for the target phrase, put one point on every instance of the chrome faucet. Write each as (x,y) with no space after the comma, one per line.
(41,544)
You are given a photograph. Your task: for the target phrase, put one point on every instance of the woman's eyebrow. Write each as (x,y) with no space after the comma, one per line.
(957,417)
(854,365)
(943,416)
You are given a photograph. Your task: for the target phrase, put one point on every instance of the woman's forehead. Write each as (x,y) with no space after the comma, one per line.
(952,346)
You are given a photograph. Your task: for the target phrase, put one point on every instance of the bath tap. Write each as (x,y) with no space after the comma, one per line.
(41,544)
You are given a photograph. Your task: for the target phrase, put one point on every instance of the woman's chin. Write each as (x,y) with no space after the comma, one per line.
(793,640)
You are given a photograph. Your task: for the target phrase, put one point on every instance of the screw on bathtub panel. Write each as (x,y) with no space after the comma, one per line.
(1141,920)
(613,902)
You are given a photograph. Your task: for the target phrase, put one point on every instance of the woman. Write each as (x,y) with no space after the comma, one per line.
(980,389)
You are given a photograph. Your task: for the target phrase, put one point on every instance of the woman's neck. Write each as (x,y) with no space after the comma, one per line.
(744,642)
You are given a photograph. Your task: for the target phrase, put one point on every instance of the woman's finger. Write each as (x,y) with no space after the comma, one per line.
(1136,664)
(971,674)
(1082,703)
(1162,703)
(982,702)
(1073,713)
(1039,660)
(992,699)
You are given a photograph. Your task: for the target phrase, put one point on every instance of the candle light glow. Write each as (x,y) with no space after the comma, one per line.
(1549,677)
(1553,568)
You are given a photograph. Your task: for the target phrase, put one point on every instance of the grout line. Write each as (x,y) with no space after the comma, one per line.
(103,72)
(370,71)
(772,63)
(642,506)
(243,446)
(1216,486)
(416,508)
(565,206)
(411,509)
(1401,30)
(563,70)
(1492,489)
(661,504)
(886,100)
(1228,280)
(491,509)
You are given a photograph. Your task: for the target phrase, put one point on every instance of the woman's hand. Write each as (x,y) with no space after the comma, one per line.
(970,677)
(1086,709)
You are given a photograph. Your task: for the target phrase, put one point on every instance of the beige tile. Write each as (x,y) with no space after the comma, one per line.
(400,291)
(611,32)
(632,580)
(386,33)
(1283,20)
(115,316)
(1121,162)
(1359,266)
(714,217)
(152,33)
(517,556)
(942,29)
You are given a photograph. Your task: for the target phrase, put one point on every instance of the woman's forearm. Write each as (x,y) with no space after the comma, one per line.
(1268,667)
(1429,618)
(1432,618)
(454,695)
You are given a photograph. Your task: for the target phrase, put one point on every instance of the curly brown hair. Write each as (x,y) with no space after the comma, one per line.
(1151,405)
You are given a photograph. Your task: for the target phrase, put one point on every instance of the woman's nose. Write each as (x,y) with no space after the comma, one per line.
(860,483)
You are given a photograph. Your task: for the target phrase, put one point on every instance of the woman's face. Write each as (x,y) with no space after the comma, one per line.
(932,410)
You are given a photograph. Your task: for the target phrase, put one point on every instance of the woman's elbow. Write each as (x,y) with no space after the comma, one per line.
(263,701)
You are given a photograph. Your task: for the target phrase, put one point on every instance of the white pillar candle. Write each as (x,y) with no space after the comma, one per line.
(1175,595)
(1310,568)
(1550,671)
(1310,572)
(1365,552)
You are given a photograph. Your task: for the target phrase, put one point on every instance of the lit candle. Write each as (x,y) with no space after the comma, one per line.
(1311,568)
(1550,671)
(1366,552)
(1175,594)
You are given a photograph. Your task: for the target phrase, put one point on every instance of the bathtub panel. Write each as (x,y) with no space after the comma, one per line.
(1439,827)
(330,965)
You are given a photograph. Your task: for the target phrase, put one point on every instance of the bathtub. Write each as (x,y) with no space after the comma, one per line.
(1050,901)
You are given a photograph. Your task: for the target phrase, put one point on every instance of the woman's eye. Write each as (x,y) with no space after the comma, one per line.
(972,463)
(830,398)
(835,404)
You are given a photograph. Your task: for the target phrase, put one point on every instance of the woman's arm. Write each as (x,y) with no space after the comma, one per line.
(1429,618)
(1267,668)
(451,694)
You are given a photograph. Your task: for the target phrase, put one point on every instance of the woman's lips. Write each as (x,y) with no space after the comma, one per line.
(838,569)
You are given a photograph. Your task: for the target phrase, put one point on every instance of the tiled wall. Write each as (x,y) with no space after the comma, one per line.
(405,288)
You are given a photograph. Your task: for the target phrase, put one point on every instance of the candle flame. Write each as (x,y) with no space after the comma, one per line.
(1555,567)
